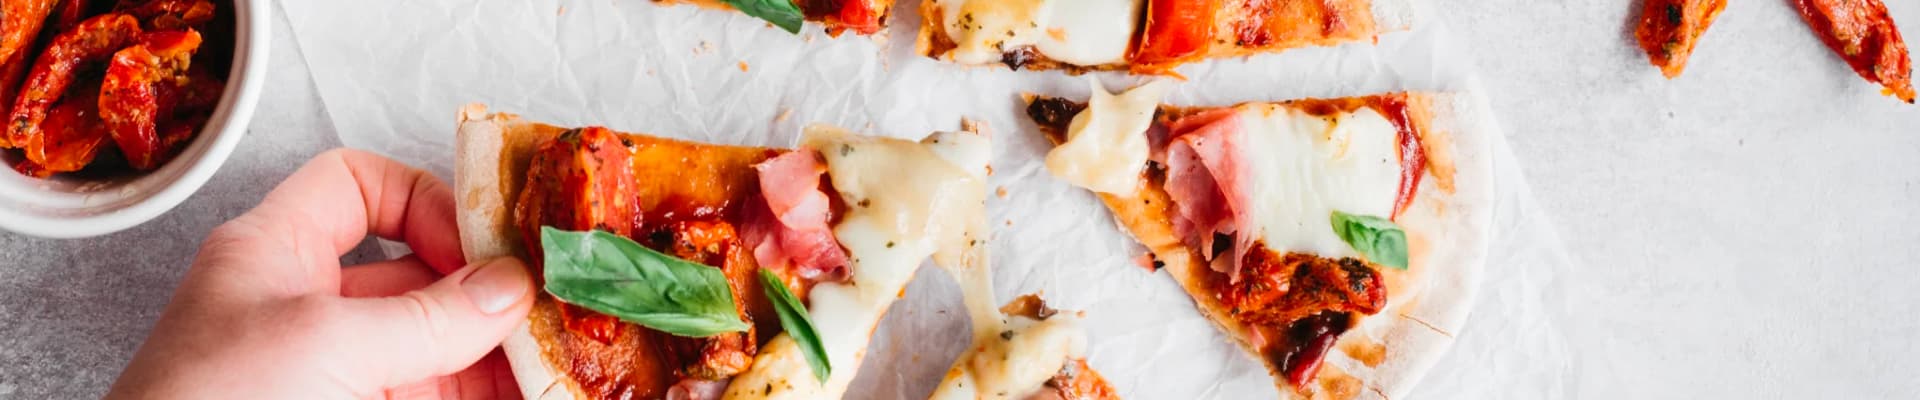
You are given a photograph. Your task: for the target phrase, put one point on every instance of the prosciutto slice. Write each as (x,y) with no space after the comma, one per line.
(792,230)
(1206,179)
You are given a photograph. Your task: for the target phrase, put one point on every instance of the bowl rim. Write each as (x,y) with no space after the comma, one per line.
(228,124)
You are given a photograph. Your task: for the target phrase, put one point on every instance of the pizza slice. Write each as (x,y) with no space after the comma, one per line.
(1141,36)
(1669,29)
(684,270)
(1862,34)
(863,17)
(1293,225)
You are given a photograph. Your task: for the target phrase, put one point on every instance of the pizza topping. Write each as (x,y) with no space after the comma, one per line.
(697,389)
(1311,164)
(1107,146)
(1176,31)
(1379,239)
(1861,32)
(1669,29)
(905,201)
(615,276)
(1084,32)
(1023,352)
(1206,179)
(799,327)
(799,235)
(1296,305)
(781,13)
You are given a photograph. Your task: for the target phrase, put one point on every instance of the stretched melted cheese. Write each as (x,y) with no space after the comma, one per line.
(1078,32)
(1015,360)
(1106,144)
(1301,167)
(906,201)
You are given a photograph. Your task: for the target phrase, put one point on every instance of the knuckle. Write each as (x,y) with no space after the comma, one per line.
(431,318)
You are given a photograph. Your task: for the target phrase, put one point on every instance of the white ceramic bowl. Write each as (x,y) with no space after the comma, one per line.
(66,208)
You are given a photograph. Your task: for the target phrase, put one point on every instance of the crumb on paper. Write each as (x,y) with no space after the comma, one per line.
(743,66)
(562,11)
(976,127)
(1002,192)
(868,128)
(784,114)
(649,71)
(705,47)
(1009,222)
(1148,261)
(807,38)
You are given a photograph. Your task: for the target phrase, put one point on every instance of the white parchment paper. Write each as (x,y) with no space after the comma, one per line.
(392,73)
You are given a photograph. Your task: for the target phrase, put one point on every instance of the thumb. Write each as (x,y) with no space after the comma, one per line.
(436,330)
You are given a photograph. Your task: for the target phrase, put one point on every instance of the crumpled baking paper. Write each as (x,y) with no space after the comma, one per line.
(392,74)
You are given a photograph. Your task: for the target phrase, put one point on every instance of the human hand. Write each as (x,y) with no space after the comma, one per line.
(267,312)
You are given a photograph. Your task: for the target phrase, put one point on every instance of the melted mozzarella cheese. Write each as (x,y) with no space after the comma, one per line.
(1078,32)
(1088,32)
(1015,360)
(1106,144)
(1301,167)
(906,201)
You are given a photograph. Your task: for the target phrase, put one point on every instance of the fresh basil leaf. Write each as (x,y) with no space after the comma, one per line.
(1378,239)
(799,326)
(612,275)
(781,13)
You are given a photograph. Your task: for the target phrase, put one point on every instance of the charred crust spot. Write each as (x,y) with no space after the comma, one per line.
(1053,112)
(1674,14)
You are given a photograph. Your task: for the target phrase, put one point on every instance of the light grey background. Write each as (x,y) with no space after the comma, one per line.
(1744,231)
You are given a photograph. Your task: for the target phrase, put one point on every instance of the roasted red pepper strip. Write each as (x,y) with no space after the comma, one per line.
(1861,32)
(1176,31)
(20,23)
(94,40)
(73,135)
(128,102)
(1669,28)
(170,14)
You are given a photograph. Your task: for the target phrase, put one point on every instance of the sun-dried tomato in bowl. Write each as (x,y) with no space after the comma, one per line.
(108,87)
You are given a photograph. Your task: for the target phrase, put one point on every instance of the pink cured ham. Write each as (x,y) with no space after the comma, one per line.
(792,232)
(698,389)
(1206,180)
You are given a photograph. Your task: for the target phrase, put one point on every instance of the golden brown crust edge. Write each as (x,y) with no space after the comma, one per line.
(491,151)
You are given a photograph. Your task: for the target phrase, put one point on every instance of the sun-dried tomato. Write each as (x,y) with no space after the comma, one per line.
(72,136)
(128,102)
(170,14)
(20,23)
(94,40)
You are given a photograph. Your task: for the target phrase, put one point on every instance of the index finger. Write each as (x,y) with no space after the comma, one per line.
(343,195)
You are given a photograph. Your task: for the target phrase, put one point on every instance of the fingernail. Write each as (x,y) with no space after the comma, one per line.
(497,286)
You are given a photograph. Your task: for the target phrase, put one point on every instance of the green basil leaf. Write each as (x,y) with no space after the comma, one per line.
(781,13)
(612,275)
(799,326)
(1378,239)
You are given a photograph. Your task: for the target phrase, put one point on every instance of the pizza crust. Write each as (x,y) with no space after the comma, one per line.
(1426,304)
(489,151)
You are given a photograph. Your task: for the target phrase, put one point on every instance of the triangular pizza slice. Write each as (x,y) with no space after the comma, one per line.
(1286,222)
